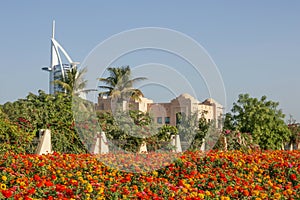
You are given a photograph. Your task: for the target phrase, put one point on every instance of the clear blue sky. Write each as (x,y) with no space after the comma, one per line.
(255,44)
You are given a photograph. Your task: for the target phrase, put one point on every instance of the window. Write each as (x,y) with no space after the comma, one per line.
(159,120)
(167,120)
(101,106)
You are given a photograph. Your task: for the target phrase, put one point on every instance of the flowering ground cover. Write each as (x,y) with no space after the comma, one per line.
(218,175)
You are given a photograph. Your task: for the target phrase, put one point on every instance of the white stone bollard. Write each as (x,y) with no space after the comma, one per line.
(100,144)
(44,145)
(143,148)
(202,148)
(175,142)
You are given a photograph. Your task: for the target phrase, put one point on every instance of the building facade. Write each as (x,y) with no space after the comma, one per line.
(167,113)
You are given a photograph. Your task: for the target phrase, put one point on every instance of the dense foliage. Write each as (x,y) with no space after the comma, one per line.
(127,132)
(45,111)
(13,137)
(261,119)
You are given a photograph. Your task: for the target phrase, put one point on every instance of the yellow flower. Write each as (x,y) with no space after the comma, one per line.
(89,188)
(194,194)
(101,190)
(277,188)
(2,186)
(263,195)
(255,168)
(256,192)
(78,173)
(289,191)
(270,183)
(184,190)
(225,198)
(201,195)
(207,193)
(277,196)
(89,177)
(4,178)
(279,180)
(259,180)
(22,183)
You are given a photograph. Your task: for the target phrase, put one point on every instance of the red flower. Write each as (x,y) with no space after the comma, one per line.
(7,193)
(229,189)
(40,184)
(36,177)
(31,191)
(293,177)
(48,183)
(53,177)
(41,164)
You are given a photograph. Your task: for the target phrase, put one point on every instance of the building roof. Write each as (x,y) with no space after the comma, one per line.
(186,95)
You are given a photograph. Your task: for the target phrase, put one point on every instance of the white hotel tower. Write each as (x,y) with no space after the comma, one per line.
(57,69)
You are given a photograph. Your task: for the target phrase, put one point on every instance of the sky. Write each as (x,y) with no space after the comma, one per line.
(255,45)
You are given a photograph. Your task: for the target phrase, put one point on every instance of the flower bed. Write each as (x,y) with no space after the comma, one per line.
(218,175)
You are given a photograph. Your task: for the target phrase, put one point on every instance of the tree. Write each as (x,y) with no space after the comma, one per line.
(73,83)
(44,111)
(261,119)
(12,136)
(119,84)
(295,130)
(193,131)
(127,132)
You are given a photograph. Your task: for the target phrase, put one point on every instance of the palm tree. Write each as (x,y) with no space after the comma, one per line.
(73,83)
(119,84)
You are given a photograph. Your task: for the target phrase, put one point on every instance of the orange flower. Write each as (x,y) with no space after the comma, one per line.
(246,193)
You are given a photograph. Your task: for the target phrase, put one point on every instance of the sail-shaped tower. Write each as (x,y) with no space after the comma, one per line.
(57,69)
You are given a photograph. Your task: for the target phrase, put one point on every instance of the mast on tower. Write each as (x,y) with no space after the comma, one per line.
(57,69)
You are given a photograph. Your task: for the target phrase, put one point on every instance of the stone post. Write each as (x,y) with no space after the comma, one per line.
(44,145)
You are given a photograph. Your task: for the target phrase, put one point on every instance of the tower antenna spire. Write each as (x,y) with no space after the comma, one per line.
(53,28)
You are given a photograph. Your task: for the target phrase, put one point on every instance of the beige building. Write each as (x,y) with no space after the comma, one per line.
(166,113)
(106,104)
